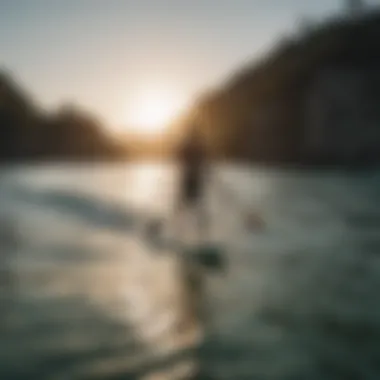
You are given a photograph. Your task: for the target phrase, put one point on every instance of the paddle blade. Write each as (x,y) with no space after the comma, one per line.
(211,257)
(254,222)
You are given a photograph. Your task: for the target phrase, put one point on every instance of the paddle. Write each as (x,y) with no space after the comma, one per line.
(252,220)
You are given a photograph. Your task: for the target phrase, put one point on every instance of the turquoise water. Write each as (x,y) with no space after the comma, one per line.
(85,296)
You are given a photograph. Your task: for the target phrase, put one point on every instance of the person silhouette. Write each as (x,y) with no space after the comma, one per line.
(192,161)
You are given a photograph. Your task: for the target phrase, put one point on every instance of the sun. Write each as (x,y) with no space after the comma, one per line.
(152,111)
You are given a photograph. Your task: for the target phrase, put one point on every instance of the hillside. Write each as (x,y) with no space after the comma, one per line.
(304,99)
(27,133)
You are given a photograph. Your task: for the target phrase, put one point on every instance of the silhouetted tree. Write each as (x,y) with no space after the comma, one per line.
(26,133)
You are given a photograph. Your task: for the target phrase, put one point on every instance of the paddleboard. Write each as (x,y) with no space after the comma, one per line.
(210,255)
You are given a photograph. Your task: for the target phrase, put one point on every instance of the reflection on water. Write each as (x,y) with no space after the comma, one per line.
(91,299)
(150,185)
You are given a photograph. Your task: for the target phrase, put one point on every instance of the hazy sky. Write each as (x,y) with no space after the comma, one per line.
(100,52)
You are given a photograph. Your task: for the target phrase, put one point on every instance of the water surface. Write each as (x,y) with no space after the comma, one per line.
(85,296)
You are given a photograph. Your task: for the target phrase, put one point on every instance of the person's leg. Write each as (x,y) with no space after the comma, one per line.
(202,217)
(190,221)
(179,219)
(191,204)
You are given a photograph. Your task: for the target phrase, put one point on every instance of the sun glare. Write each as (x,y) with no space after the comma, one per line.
(152,111)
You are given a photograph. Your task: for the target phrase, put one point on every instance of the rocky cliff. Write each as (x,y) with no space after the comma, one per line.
(312,99)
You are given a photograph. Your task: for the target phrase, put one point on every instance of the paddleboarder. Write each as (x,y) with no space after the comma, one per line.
(192,160)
